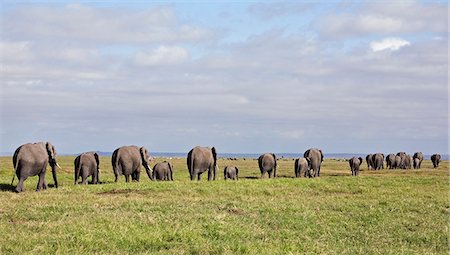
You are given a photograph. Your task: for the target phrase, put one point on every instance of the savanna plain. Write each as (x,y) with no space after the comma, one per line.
(378,212)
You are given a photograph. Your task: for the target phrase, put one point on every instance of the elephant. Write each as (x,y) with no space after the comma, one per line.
(231,172)
(127,160)
(163,171)
(390,161)
(315,159)
(202,159)
(435,158)
(378,161)
(417,160)
(268,163)
(301,167)
(31,159)
(403,159)
(369,161)
(398,161)
(354,165)
(87,164)
(406,161)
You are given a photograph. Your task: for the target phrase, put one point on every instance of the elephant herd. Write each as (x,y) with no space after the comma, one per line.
(31,159)
(401,160)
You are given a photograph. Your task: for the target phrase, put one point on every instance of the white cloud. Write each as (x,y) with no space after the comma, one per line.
(163,55)
(387,19)
(100,25)
(391,43)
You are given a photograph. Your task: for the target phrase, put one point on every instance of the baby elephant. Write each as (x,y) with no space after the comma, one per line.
(87,164)
(301,167)
(354,165)
(162,172)
(231,172)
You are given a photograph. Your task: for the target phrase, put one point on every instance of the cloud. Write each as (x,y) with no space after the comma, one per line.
(274,91)
(394,18)
(278,9)
(87,24)
(390,43)
(163,55)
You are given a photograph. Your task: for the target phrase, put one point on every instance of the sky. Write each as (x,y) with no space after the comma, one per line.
(245,77)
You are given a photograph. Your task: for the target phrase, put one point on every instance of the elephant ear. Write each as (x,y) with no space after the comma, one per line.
(51,151)
(97,160)
(360,160)
(214,153)
(144,154)
(237,171)
(275,158)
(306,154)
(321,156)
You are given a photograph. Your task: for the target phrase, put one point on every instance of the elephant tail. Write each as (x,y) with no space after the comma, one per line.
(115,162)
(16,165)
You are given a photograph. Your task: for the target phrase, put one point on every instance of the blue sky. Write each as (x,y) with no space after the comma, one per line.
(270,76)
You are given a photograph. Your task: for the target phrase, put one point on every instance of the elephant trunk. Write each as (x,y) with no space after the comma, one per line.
(55,177)
(149,171)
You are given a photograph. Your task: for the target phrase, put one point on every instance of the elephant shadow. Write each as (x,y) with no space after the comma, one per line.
(6,187)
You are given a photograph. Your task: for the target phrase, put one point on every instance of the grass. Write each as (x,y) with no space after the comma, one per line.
(379,212)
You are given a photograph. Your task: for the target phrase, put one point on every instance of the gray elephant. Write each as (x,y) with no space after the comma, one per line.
(378,161)
(268,163)
(417,160)
(398,161)
(390,161)
(231,172)
(87,164)
(315,159)
(301,168)
(127,160)
(403,157)
(163,171)
(202,159)
(435,158)
(369,161)
(354,165)
(31,159)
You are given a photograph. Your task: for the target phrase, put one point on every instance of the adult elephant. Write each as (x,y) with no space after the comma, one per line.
(268,163)
(231,172)
(398,161)
(202,159)
(403,160)
(435,158)
(315,159)
(354,165)
(162,172)
(31,159)
(127,160)
(301,168)
(390,161)
(87,164)
(417,160)
(378,161)
(369,161)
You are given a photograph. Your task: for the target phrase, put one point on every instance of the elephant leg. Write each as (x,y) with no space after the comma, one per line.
(116,177)
(137,176)
(199,176)
(270,174)
(95,177)
(127,178)
(19,188)
(84,179)
(274,172)
(41,181)
(209,174)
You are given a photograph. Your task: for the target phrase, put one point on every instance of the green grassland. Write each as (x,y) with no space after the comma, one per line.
(379,212)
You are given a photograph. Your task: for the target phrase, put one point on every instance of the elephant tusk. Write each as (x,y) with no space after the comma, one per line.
(58,165)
